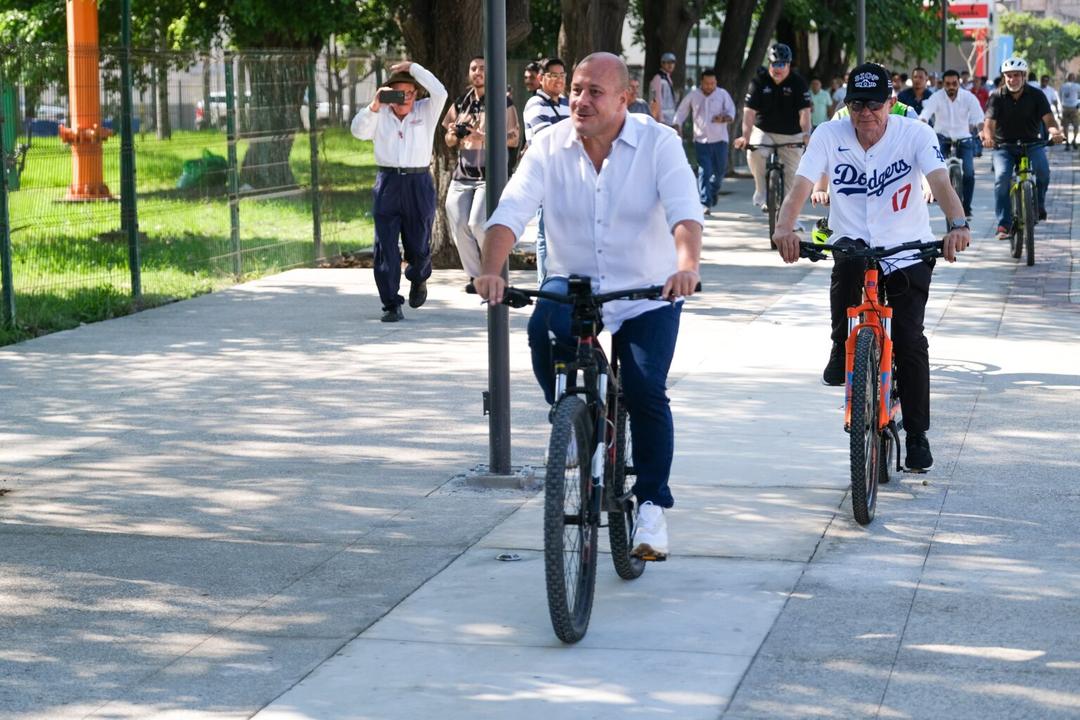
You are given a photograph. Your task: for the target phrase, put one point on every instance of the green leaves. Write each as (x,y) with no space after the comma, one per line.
(1046,44)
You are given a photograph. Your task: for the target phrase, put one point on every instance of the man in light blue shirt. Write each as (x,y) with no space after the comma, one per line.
(624,212)
(822,102)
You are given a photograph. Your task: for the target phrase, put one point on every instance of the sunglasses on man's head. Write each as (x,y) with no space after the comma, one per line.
(856,106)
(778,65)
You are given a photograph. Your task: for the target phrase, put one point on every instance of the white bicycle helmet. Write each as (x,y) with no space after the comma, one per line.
(1014,64)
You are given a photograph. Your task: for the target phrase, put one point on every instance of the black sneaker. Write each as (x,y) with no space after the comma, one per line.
(834,371)
(918,457)
(1042,213)
(393,314)
(418,294)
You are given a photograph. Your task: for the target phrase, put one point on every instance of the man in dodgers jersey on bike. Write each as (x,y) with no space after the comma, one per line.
(626,215)
(875,163)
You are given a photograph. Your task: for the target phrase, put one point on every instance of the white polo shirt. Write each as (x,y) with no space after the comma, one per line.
(953,118)
(876,195)
(614,226)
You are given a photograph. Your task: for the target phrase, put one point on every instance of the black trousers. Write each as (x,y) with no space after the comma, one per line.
(907,290)
(405,208)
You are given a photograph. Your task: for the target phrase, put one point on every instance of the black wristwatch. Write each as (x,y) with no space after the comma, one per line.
(958,224)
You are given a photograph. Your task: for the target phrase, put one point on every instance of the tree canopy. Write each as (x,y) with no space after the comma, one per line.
(1047,44)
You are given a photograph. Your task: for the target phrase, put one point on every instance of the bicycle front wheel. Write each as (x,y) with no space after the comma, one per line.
(570,530)
(621,521)
(775,195)
(865,437)
(956,177)
(1016,239)
(1027,199)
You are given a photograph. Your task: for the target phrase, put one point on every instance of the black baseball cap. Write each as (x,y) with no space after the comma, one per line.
(868,81)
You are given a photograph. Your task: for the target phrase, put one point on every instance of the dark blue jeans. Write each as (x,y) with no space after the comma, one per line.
(1005,160)
(965,150)
(712,166)
(645,345)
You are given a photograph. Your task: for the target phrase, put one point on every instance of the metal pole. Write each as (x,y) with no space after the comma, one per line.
(232,176)
(7,277)
(860,17)
(129,216)
(495,160)
(313,138)
(944,30)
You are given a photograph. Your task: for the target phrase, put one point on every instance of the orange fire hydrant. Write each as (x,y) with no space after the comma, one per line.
(84,93)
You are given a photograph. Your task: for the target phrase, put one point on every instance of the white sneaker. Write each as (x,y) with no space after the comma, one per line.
(650,533)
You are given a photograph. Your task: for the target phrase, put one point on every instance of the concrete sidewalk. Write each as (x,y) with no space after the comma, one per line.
(256,495)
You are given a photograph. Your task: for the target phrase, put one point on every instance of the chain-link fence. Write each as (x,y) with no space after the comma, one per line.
(243,164)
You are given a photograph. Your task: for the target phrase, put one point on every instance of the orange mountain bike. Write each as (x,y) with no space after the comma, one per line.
(872,400)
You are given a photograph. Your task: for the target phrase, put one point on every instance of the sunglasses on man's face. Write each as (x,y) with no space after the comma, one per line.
(856,106)
(778,65)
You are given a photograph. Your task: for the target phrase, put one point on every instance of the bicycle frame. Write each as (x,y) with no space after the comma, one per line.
(877,316)
(873,314)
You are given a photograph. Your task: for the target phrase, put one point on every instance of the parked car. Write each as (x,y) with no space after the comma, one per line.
(322,113)
(218,110)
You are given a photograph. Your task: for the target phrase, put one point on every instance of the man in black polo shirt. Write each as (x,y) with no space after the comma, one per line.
(777,110)
(1016,112)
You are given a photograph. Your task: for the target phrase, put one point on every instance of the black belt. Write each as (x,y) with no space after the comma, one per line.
(403,171)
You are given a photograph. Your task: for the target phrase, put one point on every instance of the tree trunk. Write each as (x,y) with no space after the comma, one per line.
(590,26)
(447,54)
(352,80)
(206,61)
(666,25)
(278,82)
(161,72)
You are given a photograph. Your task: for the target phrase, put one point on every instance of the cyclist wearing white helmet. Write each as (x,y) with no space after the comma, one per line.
(1016,112)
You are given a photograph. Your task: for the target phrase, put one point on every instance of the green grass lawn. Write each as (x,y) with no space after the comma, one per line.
(70,261)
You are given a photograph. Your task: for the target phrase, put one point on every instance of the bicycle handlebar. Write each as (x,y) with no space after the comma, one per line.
(815,251)
(781,145)
(1025,144)
(520,297)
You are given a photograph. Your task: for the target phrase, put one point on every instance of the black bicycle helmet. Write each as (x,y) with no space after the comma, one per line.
(780,53)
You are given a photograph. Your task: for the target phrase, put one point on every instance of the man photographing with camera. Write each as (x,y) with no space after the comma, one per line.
(466,130)
(403,128)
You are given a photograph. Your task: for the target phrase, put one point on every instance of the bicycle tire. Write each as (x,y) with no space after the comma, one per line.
(1016,238)
(570,538)
(956,177)
(621,524)
(864,436)
(774,196)
(1027,199)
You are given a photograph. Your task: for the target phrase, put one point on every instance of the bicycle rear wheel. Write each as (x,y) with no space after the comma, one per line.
(620,522)
(570,534)
(865,437)
(774,196)
(1027,199)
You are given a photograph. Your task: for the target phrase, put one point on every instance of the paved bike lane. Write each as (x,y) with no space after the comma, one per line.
(776,604)
(210,500)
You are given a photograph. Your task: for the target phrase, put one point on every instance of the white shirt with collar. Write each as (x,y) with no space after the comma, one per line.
(406,142)
(953,117)
(875,195)
(705,108)
(614,226)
